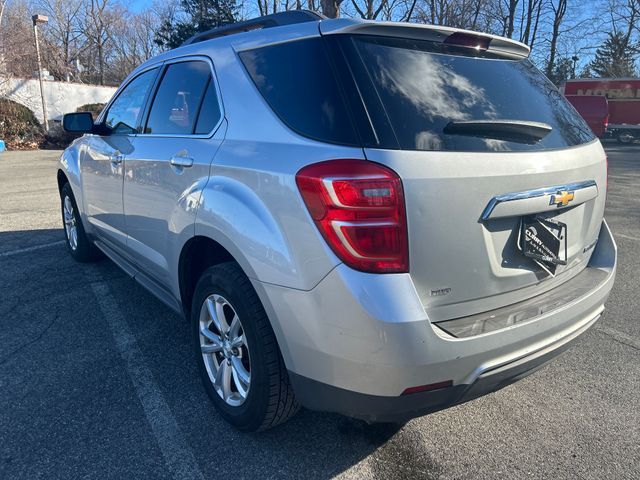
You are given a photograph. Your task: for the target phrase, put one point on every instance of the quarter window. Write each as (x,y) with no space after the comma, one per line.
(124,112)
(179,98)
(297,81)
(209,112)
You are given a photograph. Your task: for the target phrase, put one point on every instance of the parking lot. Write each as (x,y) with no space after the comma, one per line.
(97,378)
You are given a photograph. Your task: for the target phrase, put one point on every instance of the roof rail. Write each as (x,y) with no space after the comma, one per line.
(274,20)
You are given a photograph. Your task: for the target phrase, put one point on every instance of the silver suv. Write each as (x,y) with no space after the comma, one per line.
(376,219)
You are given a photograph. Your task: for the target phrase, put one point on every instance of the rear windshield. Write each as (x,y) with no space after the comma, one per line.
(422,91)
(409,91)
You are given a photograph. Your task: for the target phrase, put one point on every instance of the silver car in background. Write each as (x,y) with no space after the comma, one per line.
(376,219)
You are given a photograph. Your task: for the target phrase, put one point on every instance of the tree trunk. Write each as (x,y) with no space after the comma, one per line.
(410,12)
(513,4)
(558,15)
(101,63)
(331,8)
(535,27)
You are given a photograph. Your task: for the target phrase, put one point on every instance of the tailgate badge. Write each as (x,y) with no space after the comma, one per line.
(562,198)
(437,292)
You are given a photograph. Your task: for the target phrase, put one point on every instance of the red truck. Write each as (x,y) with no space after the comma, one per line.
(623,103)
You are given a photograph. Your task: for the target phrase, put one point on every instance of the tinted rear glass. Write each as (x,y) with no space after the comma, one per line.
(421,91)
(209,111)
(298,82)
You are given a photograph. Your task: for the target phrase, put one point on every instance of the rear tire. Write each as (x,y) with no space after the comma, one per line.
(78,244)
(238,344)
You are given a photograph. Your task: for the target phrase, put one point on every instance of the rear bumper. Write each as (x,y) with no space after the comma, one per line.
(356,341)
(319,396)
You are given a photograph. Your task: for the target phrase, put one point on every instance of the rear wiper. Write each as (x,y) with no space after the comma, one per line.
(520,131)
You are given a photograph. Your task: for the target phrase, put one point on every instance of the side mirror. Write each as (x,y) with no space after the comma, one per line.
(81,122)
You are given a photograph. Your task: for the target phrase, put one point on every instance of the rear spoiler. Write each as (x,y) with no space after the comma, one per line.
(433,33)
(279,19)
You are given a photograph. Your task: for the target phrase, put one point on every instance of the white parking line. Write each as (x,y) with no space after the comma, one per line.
(630,237)
(31,249)
(177,454)
(618,335)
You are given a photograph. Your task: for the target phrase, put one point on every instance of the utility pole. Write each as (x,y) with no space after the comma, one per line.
(575,61)
(3,3)
(36,20)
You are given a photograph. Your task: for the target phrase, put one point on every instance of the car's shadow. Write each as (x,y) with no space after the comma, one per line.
(57,343)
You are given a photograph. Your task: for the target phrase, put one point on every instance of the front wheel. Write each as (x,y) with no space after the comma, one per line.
(236,350)
(78,244)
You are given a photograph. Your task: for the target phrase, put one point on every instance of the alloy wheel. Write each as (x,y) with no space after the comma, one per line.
(70,226)
(224,350)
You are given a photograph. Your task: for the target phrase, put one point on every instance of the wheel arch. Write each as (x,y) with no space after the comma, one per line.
(62,179)
(201,252)
(69,172)
(198,254)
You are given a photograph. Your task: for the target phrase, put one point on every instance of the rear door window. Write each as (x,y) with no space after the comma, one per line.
(178,100)
(420,90)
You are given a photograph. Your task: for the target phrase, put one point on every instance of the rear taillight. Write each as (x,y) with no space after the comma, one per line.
(358,206)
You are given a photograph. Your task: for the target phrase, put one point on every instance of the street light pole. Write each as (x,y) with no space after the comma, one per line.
(2,5)
(36,20)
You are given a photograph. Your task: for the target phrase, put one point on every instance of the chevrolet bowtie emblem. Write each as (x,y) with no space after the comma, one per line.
(561,198)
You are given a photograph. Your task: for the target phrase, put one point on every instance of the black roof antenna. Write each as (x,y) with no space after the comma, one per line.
(274,20)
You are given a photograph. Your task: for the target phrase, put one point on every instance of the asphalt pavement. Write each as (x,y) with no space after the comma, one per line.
(97,378)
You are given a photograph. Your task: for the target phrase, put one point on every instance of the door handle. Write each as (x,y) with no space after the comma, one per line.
(116,158)
(180,161)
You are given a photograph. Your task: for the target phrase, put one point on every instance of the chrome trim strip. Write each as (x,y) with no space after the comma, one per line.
(538,192)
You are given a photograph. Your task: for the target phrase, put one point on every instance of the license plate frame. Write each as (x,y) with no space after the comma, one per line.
(544,240)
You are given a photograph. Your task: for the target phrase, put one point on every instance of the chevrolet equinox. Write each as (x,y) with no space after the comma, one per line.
(371,218)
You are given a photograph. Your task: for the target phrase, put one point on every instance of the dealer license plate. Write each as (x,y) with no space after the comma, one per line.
(545,241)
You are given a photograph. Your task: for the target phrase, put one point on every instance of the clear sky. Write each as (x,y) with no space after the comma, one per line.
(137,5)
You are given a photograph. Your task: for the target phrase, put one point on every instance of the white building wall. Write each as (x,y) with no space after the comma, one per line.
(61,97)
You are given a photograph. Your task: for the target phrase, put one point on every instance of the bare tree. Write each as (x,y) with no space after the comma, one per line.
(530,21)
(331,8)
(369,10)
(18,53)
(504,15)
(61,34)
(625,20)
(133,40)
(512,5)
(559,9)
(471,14)
(97,29)
(264,7)
(408,15)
